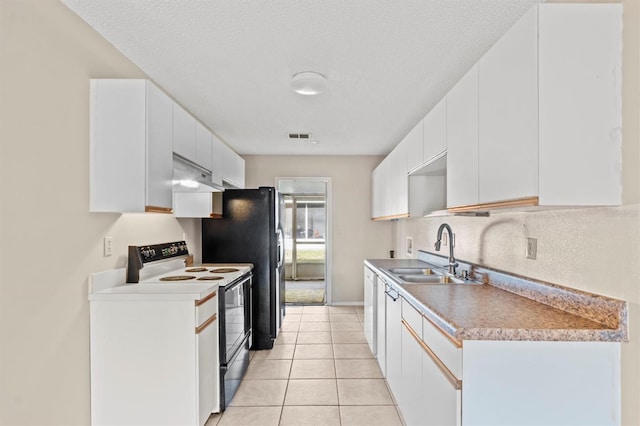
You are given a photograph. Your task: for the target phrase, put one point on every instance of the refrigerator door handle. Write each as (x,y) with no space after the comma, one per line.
(280,248)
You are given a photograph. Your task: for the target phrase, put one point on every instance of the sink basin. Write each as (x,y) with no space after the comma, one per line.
(414,271)
(430,279)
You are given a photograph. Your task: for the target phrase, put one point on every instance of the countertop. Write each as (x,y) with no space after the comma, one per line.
(487,312)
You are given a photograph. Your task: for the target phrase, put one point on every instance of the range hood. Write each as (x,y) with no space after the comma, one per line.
(190,177)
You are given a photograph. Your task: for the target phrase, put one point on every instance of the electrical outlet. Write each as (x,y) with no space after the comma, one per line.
(532,248)
(108,246)
(445,239)
(409,246)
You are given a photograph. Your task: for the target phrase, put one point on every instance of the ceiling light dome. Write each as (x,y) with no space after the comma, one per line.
(309,83)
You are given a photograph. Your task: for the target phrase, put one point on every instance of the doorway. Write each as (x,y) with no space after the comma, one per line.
(306,242)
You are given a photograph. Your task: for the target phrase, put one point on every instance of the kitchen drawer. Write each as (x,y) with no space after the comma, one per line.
(412,317)
(206,307)
(445,347)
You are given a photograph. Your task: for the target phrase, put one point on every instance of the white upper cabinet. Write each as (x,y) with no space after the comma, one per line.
(580,75)
(508,99)
(204,147)
(414,146)
(462,141)
(435,132)
(550,108)
(390,186)
(130,147)
(232,167)
(184,133)
(537,121)
(216,160)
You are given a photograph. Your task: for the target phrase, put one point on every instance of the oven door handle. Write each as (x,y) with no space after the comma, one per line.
(239,281)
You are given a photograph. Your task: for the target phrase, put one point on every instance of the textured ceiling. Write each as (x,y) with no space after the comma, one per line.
(230,62)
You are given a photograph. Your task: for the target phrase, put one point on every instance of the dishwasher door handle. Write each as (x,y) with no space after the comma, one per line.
(388,290)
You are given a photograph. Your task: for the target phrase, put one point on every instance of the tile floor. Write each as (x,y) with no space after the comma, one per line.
(320,372)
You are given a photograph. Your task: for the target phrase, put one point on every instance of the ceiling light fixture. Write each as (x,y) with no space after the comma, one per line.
(309,83)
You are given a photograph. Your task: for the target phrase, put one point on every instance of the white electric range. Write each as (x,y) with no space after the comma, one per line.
(161,301)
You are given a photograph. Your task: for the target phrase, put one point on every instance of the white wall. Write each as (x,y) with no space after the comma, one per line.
(49,242)
(354,237)
(593,249)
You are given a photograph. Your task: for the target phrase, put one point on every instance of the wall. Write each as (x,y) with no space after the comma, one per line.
(593,249)
(48,55)
(354,237)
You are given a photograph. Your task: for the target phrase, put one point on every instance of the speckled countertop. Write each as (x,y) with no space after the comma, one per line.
(513,312)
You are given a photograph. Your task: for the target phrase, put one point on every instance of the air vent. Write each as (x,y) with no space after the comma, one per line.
(303,136)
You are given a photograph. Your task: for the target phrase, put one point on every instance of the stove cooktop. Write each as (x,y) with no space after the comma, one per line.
(220,274)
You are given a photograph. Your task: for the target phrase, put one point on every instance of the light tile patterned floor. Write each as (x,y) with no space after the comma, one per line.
(320,372)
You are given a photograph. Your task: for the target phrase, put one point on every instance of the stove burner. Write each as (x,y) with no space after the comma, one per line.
(224,270)
(177,278)
(211,278)
(196,270)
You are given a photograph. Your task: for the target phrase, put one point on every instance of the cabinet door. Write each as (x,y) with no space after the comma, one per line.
(580,104)
(398,182)
(381,325)
(192,204)
(159,149)
(508,99)
(232,167)
(207,350)
(394,343)
(462,141)
(216,160)
(414,146)
(441,401)
(411,400)
(376,192)
(184,133)
(203,156)
(435,131)
(239,175)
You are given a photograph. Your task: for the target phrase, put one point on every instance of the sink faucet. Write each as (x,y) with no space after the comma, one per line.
(452,260)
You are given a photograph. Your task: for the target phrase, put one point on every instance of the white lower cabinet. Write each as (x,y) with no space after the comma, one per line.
(411,379)
(431,392)
(441,400)
(541,383)
(500,382)
(154,362)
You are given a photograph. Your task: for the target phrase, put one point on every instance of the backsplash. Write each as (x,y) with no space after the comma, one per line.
(571,245)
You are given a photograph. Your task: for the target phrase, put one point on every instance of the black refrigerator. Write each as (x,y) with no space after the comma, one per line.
(251,231)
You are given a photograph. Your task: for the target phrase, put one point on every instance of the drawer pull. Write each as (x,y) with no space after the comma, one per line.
(457,383)
(456,343)
(206,324)
(206,298)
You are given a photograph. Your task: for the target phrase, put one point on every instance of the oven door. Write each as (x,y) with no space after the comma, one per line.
(234,322)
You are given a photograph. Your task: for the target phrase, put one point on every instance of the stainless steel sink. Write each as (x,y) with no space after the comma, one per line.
(414,271)
(430,279)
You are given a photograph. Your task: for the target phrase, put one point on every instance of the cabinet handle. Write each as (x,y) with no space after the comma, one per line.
(457,383)
(156,209)
(206,298)
(206,324)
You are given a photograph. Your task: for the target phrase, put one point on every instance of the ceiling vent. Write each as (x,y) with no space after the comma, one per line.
(303,136)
